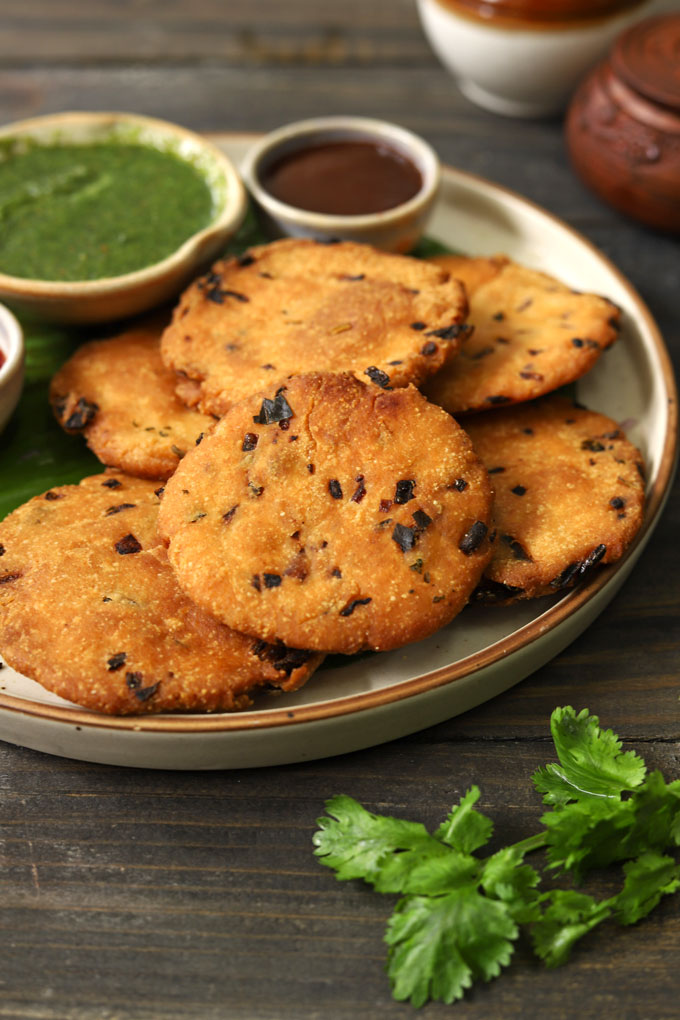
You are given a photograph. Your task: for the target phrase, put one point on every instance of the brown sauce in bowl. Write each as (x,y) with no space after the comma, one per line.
(343,178)
(539,13)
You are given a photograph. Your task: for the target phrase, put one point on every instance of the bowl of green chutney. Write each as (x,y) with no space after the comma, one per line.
(104,215)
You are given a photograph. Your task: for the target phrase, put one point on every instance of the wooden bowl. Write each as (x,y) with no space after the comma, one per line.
(623,124)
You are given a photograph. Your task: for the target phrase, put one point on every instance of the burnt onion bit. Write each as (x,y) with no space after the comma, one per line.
(273,411)
(495,592)
(8,578)
(282,658)
(404,490)
(578,568)
(116,661)
(351,606)
(128,545)
(473,538)
(133,682)
(118,507)
(452,332)
(377,376)
(422,520)
(516,548)
(405,536)
(82,414)
(217,295)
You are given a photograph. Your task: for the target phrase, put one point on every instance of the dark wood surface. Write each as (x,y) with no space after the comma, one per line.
(137,895)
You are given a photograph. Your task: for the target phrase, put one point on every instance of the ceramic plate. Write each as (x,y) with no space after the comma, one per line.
(365,700)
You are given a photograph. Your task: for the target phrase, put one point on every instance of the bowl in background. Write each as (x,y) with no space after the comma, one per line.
(12,368)
(397,228)
(524,58)
(116,297)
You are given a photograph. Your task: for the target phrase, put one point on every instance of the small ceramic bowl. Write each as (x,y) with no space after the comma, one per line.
(508,58)
(395,229)
(116,297)
(12,368)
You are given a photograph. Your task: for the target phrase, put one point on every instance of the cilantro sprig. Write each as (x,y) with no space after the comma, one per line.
(460,914)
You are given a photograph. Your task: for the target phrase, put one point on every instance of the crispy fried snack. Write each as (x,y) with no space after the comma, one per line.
(119,395)
(331,514)
(298,306)
(532,334)
(89,607)
(569,494)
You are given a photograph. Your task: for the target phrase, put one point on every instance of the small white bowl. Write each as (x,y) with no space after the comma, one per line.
(520,72)
(12,368)
(396,229)
(116,297)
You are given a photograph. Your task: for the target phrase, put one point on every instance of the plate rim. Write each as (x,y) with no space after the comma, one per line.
(541,625)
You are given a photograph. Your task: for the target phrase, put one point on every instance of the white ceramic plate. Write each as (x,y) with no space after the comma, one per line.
(375,698)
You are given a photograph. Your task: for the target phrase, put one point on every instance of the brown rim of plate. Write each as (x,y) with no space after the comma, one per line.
(501,649)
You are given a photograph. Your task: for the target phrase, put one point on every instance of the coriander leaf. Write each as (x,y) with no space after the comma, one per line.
(648,878)
(438,945)
(592,764)
(675,830)
(657,815)
(593,834)
(587,835)
(434,875)
(377,848)
(459,914)
(466,829)
(505,878)
(570,916)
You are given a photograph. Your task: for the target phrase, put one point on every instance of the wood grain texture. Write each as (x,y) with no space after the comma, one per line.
(197,894)
(133,895)
(261,32)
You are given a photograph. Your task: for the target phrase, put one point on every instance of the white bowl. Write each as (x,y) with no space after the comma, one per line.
(116,297)
(520,72)
(395,229)
(12,368)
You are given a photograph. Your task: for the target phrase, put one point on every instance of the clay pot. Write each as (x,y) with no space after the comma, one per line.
(623,124)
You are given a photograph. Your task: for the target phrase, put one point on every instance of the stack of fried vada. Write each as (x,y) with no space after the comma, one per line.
(325,449)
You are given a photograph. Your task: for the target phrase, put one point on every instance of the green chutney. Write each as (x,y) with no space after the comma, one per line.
(83,212)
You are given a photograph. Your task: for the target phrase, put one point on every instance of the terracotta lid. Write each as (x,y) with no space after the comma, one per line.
(545,10)
(647,58)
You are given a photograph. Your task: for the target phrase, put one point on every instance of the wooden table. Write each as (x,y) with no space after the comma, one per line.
(134,894)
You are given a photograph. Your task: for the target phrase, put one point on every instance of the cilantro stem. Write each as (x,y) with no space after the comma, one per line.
(460,914)
(526,846)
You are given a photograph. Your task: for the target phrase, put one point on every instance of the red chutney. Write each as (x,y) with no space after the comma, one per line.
(343,178)
(2,357)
